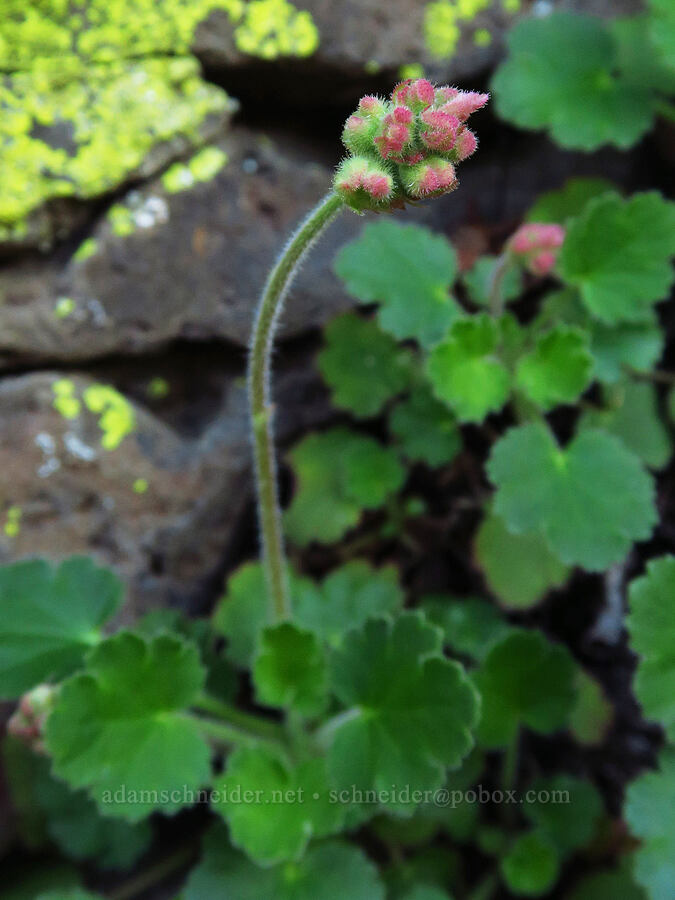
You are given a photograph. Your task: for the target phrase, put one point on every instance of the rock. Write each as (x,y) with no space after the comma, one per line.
(166,264)
(85,469)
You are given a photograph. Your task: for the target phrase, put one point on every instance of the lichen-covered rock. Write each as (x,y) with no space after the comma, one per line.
(84,470)
(184,257)
(96,94)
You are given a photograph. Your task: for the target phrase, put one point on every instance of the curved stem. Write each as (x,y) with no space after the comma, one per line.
(502,263)
(267,316)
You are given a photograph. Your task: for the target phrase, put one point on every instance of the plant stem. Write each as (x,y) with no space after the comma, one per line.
(484,889)
(267,316)
(155,874)
(502,263)
(229,715)
(510,769)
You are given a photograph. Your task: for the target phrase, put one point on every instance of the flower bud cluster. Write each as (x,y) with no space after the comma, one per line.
(537,246)
(406,148)
(28,721)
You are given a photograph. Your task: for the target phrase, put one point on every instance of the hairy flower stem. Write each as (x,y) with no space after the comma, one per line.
(261,409)
(496,302)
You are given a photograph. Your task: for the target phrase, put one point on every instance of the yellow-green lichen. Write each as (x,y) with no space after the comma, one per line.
(91,87)
(117,418)
(67,136)
(512,6)
(64,307)
(13,521)
(202,167)
(86,250)
(140,486)
(411,70)
(442,24)
(482,37)
(121,220)
(272,28)
(65,402)
(158,388)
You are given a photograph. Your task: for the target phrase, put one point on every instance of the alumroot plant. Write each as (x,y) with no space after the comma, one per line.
(400,150)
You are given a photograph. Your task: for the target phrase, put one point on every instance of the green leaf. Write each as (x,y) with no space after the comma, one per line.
(651,624)
(635,345)
(590,500)
(71,818)
(558,369)
(618,254)
(617,883)
(639,50)
(242,613)
(49,618)
(73,894)
(339,474)
(290,670)
(426,430)
(426,892)
(566,811)
(592,714)
(329,871)
(470,625)
(561,75)
(410,711)
(35,883)
(274,809)
(478,281)
(465,371)
(531,866)
(633,417)
(119,729)
(662,29)
(519,568)
(569,201)
(409,271)
(363,366)
(649,813)
(347,597)
(524,681)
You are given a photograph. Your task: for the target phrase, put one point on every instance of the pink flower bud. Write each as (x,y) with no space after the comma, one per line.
(537,244)
(406,148)
(417,94)
(28,721)
(431,178)
(439,130)
(466,144)
(464,103)
(364,184)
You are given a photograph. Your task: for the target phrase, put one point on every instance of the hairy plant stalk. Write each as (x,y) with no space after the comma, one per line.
(261,409)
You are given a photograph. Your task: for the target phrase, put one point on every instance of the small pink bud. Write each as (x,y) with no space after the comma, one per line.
(439,130)
(431,178)
(370,105)
(364,184)
(28,721)
(537,244)
(394,136)
(466,144)
(443,94)
(464,103)
(403,115)
(417,94)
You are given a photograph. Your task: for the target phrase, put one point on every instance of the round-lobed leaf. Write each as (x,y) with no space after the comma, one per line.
(363,366)
(524,681)
(328,871)
(590,500)
(426,429)
(531,866)
(339,473)
(465,371)
(408,270)
(618,253)
(50,617)
(119,729)
(558,369)
(651,623)
(519,568)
